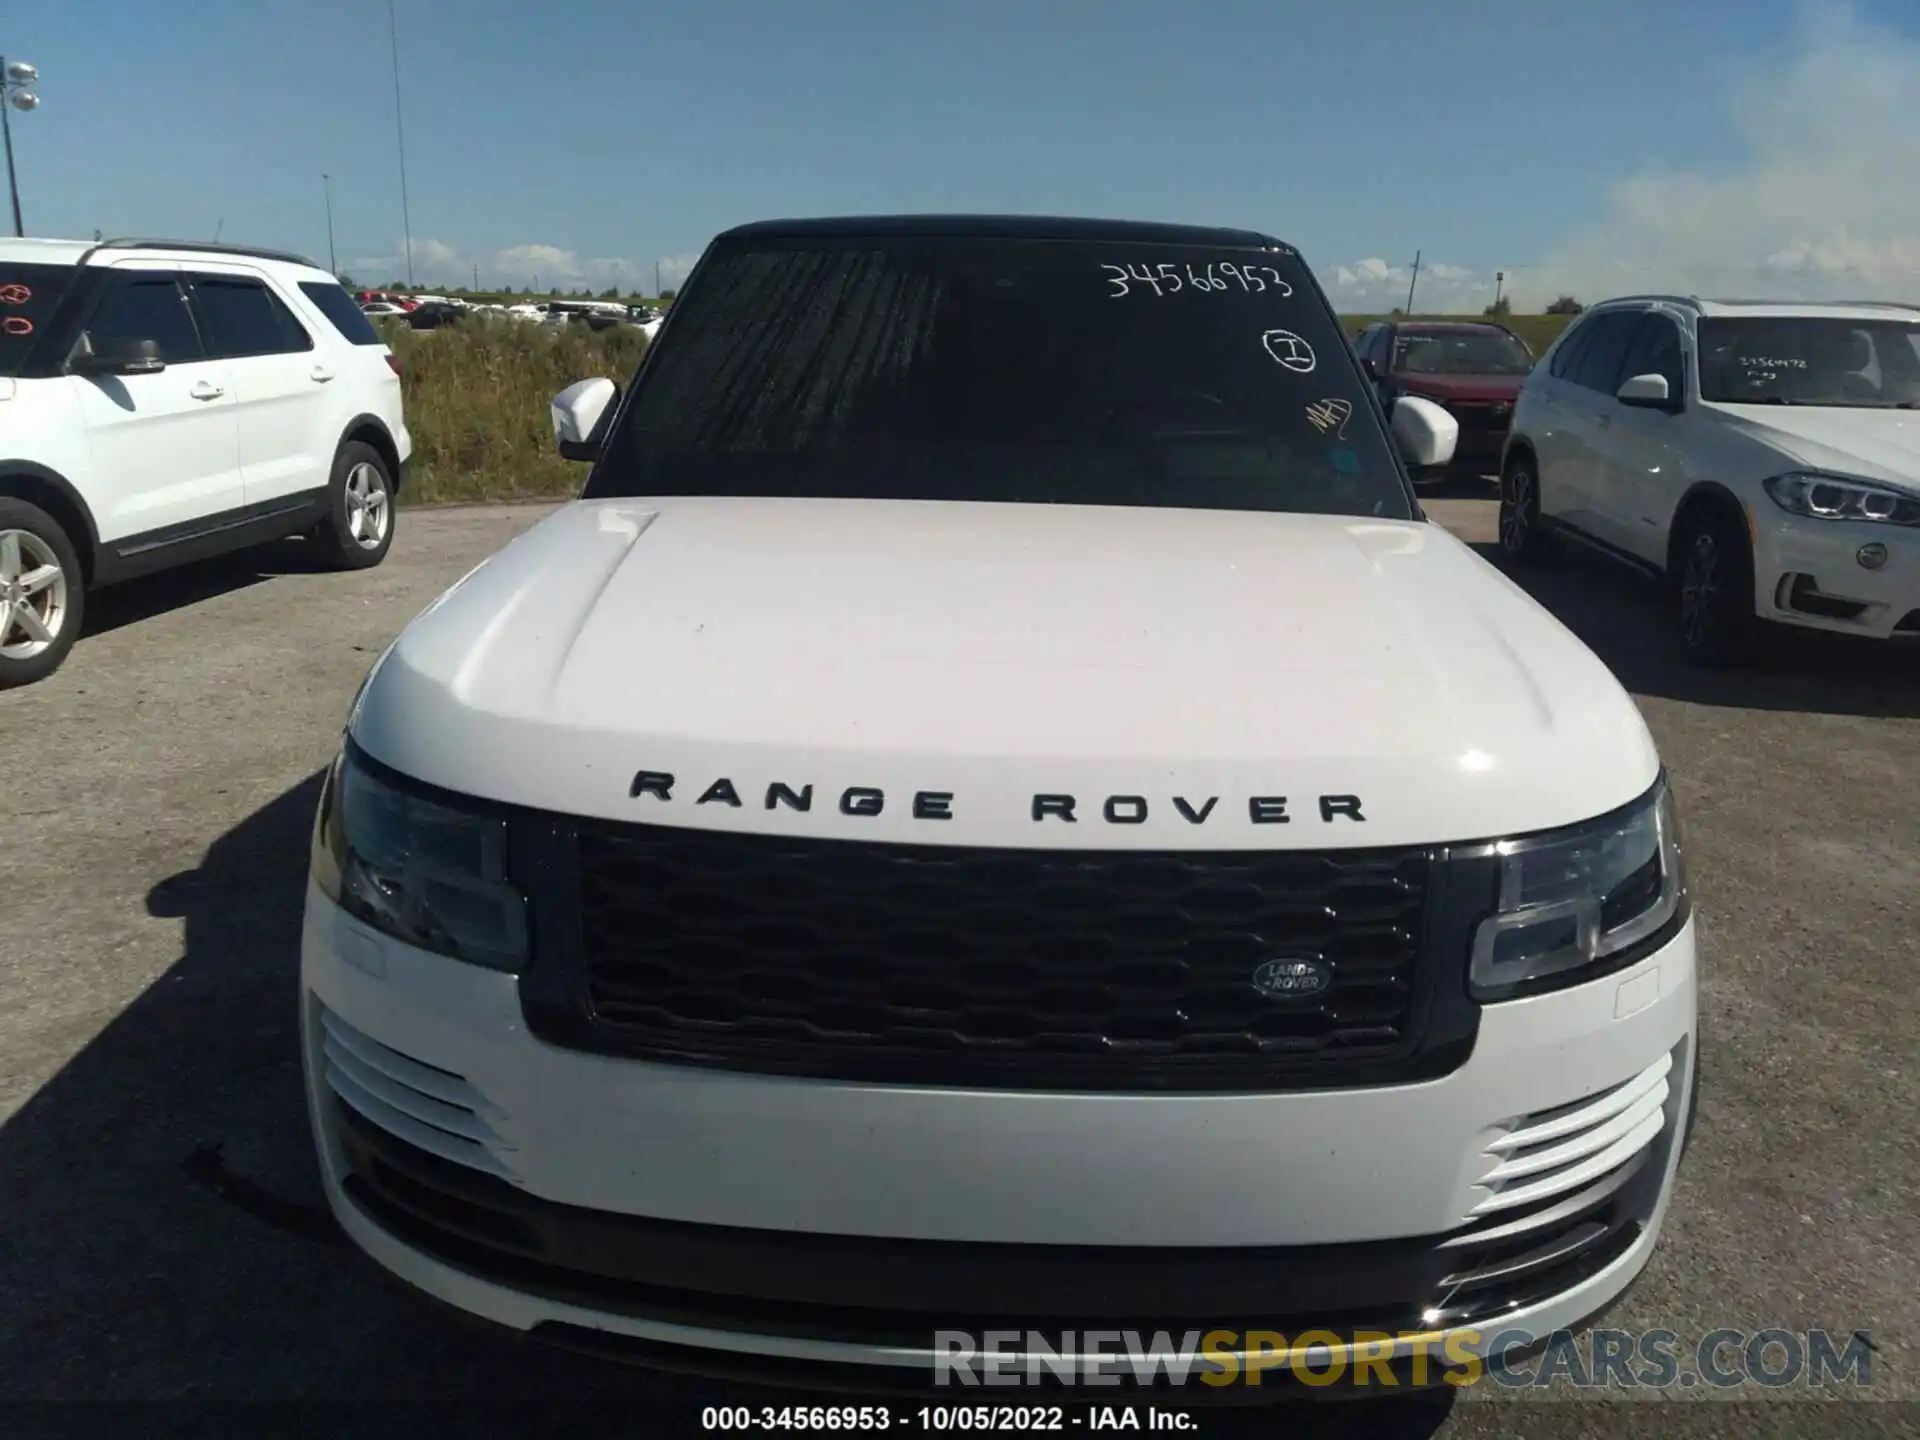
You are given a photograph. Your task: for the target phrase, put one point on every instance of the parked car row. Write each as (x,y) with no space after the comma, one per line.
(433,312)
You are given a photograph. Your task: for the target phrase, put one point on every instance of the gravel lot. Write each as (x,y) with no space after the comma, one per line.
(152,854)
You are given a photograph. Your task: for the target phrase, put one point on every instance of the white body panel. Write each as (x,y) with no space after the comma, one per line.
(902,645)
(165,448)
(291,412)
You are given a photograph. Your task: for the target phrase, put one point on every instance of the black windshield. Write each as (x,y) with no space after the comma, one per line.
(1460,352)
(28,294)
(1037,371)
(1810,360)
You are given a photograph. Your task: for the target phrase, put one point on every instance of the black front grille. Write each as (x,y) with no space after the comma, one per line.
(938,965)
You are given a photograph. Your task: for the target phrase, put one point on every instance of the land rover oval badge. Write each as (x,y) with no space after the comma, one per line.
(1292,977)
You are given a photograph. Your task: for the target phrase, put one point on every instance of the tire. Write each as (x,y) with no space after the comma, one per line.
(1713,590)
(40,612)
(1522,540)
(358,530)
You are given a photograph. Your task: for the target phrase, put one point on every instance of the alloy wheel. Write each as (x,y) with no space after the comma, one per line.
(1515,521)
(369,509)
(1699,589)
(33,595)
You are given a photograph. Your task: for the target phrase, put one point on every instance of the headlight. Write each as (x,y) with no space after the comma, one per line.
(1576,902)
(424,872)
(1834,497)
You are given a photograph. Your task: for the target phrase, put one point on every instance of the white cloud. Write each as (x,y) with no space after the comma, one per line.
(1822,204)
(517,267)
(1372,286)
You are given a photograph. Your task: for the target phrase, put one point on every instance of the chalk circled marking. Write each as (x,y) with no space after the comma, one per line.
(1290,350)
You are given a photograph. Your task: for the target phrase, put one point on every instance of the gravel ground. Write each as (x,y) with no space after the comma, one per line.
(159,1237)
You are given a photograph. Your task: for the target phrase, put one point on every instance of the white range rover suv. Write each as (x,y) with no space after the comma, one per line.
(1762,457)
(996,806)
(162,401)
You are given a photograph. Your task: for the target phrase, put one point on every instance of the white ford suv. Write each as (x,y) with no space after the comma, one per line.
(162,401)
(996,805)
(1763,458)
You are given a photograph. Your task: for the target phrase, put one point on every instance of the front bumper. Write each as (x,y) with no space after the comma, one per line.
(842,1225)
(1838,593)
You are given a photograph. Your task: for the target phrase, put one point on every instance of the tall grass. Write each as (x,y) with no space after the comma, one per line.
(477,403)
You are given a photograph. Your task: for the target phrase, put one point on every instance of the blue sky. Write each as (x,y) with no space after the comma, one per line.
(1587,144)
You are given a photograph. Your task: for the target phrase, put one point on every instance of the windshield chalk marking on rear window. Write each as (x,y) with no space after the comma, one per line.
(15,294)
(1333,414)
(1170,277)
(1289,349)
(17,325)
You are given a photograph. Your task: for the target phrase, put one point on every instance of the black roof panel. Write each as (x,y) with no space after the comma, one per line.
(1000,227)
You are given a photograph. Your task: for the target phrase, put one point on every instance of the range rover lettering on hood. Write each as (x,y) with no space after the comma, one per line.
(866,801)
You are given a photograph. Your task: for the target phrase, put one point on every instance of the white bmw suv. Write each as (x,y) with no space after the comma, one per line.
(162,401)
(996,805)
(1764,458)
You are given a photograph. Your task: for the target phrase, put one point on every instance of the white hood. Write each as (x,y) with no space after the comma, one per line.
(1870,444)
(992,653)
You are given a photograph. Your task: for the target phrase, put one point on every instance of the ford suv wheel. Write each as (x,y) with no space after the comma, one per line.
(41,594)
(359,526)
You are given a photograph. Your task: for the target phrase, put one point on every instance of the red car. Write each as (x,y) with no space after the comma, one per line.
(1473,368)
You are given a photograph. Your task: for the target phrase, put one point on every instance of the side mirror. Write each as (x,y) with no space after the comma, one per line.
(1426,433)
(1366,364)
(116,357)
(580,413)
(1649,392)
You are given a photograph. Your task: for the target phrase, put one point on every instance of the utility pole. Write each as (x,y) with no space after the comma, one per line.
(326,184)
(400,135)
(1415,280)
(656,279)
(476,274)
(1499,279)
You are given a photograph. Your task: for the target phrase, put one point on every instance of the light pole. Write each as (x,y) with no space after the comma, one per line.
(400,136)
(326,184)
(16,78)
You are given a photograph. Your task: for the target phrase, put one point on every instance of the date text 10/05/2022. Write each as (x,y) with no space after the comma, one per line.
(942,1419)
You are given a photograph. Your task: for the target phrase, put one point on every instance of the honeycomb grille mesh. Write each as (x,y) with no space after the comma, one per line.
(1081,969)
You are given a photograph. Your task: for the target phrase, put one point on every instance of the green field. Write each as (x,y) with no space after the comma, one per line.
(477,398)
